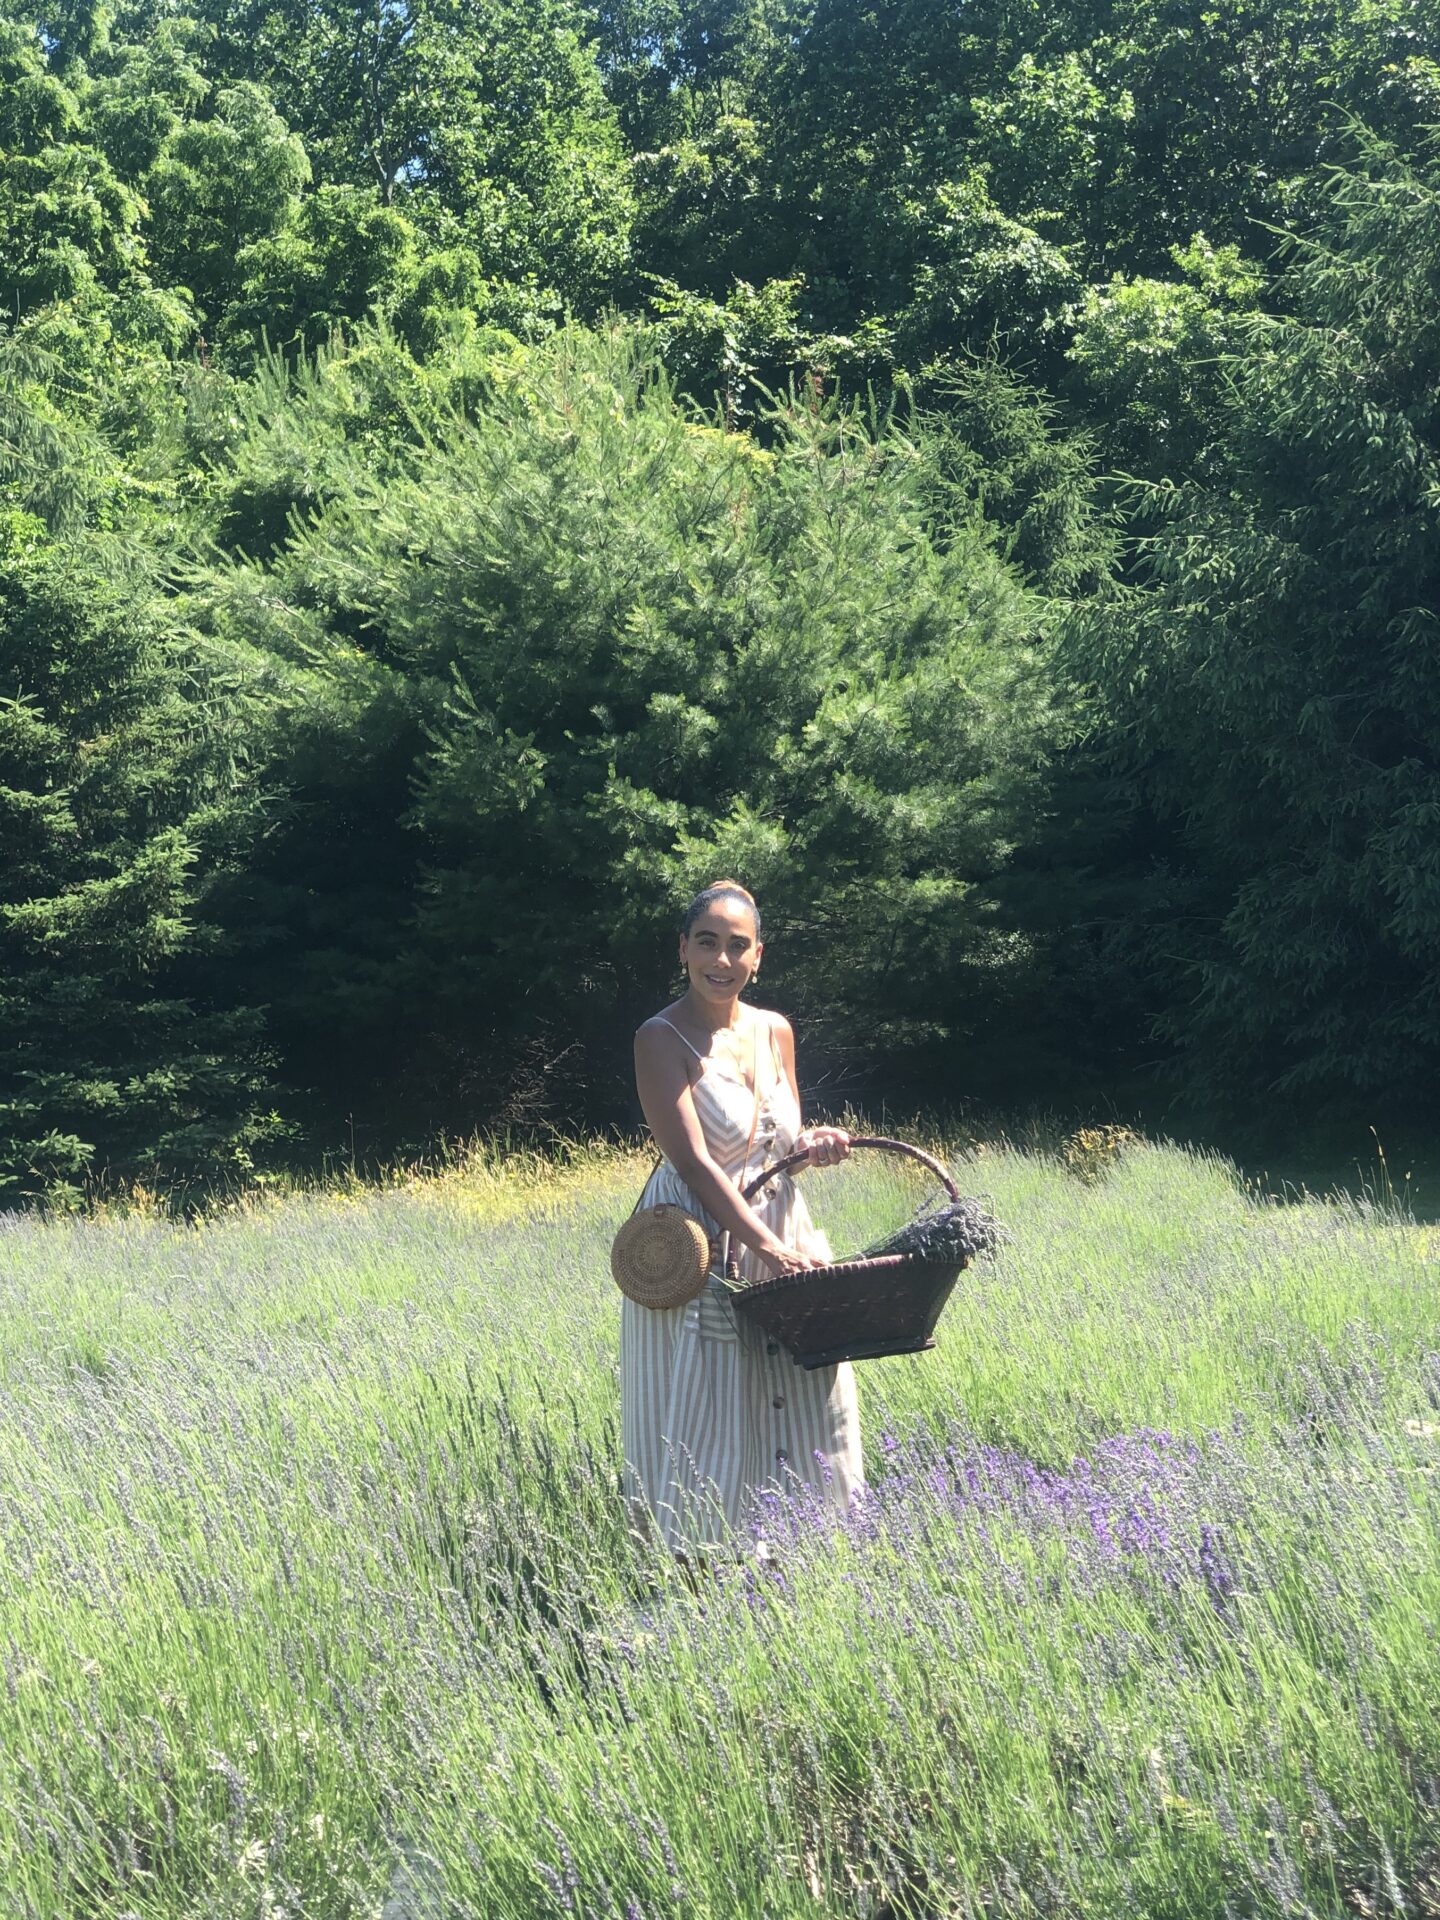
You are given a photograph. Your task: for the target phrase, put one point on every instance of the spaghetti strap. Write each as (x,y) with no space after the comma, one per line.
(674,1029)
(777,1064)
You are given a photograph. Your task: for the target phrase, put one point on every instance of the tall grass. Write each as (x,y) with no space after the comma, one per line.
(317,1597)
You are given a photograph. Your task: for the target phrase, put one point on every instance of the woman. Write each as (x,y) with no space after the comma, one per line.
(710,1408)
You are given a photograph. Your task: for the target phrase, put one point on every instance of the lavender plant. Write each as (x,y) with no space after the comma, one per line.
(317,1598)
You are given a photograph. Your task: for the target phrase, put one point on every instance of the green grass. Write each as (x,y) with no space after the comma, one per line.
(312,1564)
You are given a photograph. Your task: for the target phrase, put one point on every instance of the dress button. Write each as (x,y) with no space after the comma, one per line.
(777,1403)
(772,1346)
(780,1454)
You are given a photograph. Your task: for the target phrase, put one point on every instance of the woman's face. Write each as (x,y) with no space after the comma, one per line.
(720,952)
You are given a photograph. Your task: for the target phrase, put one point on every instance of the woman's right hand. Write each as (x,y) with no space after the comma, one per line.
(782,1259)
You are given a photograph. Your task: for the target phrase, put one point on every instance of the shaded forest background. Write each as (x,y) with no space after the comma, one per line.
(471,473)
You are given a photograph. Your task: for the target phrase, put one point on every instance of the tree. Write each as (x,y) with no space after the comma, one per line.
(558,673)
(486,124)
(1268,686)
(219,186)
(958,175)
(1149,357)
(122,797)
(342,256)
(68,225)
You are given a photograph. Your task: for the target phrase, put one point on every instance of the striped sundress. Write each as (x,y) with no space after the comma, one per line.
(712,1411)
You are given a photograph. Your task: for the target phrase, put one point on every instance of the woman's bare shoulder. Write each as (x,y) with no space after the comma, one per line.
(659,1031)
(778,1025)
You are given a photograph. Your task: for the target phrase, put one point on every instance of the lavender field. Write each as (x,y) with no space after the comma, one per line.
(317,1600)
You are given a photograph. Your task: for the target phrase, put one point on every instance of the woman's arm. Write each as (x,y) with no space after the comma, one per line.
(826,1145)
(663,1084)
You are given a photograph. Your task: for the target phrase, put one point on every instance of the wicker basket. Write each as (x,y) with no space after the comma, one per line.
(854,1309)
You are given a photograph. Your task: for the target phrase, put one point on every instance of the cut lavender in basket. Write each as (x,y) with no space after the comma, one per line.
(944,1230)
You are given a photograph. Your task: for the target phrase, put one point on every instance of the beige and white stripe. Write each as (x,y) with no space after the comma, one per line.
(711,1411)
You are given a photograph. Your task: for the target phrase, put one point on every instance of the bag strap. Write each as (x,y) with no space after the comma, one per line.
(659,1162)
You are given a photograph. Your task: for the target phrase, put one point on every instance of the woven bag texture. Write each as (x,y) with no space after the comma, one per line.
(661,1257)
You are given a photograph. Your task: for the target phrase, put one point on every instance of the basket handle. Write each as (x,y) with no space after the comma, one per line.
(767,1174)
(940,1171)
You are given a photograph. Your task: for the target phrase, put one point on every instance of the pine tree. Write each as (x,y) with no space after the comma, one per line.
(122,797)
(585,650)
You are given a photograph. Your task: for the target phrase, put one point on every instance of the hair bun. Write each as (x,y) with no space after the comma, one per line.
(718,890)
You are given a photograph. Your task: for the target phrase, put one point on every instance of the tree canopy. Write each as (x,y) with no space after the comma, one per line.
(469,474)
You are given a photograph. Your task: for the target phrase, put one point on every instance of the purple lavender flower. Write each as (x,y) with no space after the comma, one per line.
(1213,1565)
(556,1886)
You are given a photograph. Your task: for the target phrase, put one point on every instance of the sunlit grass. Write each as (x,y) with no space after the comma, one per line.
(316,1596)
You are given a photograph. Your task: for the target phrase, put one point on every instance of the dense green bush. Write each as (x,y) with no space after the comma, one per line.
(574,656)
(122,801)
(1268,680)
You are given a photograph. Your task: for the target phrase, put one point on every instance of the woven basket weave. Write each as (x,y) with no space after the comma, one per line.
(853,1309)
(661,1256)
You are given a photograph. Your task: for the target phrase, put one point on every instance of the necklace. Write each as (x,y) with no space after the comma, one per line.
(734,1052)
(727,1047)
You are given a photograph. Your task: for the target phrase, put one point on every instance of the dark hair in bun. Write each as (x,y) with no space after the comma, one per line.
(717,890)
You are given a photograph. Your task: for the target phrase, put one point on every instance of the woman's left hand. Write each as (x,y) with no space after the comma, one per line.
(824,1146)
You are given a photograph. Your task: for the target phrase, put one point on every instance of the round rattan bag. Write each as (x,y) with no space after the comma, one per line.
(661,1257)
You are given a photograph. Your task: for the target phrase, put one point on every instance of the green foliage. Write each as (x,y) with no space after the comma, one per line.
(341,256)
(345,257)
(735,351)
(268,451)
(121,798)
(987,275)
(563,640)
(486,122)
(1268,680)
(68,225)
(50,465)
(995,445)
(272,279)
(1150,355)
(676,67)
(221,185)
(957,175)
